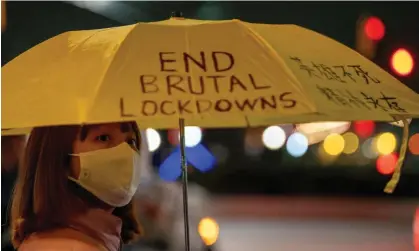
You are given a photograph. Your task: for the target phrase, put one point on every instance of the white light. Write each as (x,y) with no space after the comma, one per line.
(297,144)
(153,138)
(273,137)
(193,136)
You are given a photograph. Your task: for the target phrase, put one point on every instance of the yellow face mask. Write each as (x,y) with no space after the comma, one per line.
(112,174)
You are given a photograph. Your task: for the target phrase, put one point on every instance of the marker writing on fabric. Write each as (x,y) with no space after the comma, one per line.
(221,81)
(351,99)
(341,73)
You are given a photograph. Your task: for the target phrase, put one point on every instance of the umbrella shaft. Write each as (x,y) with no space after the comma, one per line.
(184,182)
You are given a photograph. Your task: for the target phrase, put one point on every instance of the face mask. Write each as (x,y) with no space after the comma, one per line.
(112,174)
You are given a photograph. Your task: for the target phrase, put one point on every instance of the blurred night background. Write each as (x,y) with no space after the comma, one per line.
(261,161)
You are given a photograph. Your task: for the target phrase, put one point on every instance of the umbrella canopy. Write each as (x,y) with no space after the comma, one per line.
(210,73)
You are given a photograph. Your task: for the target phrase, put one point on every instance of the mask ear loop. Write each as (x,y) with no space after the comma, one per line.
(391,185)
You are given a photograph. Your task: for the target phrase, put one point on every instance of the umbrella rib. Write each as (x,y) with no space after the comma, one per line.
(278,57)
(111,61)
(78,45)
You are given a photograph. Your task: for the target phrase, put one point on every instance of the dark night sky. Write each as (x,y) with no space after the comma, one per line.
(32,22)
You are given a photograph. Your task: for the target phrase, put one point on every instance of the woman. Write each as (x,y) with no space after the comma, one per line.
(75,187)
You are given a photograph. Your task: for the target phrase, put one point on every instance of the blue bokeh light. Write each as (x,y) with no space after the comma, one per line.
(297,145)
(199,156)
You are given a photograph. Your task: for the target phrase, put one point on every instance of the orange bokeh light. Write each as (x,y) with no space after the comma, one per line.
(414,144)
(386,163)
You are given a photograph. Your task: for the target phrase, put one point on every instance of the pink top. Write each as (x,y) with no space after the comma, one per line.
(97,230)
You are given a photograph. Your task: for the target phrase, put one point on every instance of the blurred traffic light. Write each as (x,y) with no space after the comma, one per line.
(401,62)
(386,163)
(369,31)
(364,129)
(374,28)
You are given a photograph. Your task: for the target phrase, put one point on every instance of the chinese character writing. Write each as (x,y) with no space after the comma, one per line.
(345,73)
(364,74)
(327,72)
(373,101)
(392,103)
(352,99)
(311,72)
(333,96)
(332,73)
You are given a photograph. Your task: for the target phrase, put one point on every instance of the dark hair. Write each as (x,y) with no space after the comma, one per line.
(11,150)
(43,189)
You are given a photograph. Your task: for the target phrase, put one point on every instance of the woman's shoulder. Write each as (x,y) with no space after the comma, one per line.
(61,239)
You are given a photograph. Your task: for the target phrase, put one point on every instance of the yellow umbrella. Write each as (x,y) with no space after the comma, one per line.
(209,73)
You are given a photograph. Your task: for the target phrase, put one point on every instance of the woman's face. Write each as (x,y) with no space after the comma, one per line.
(101,137)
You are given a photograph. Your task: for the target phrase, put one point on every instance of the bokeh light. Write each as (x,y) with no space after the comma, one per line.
(153,139)
(334,144)
(209,230)
(402,62)
(368,149)
(374,28)
(297,144)
(170,169)
(364,129)
(173,136)
(193,136)
(351,142)
(199,157)
(414,144)
(386,163)
(273,137)
(386,143)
